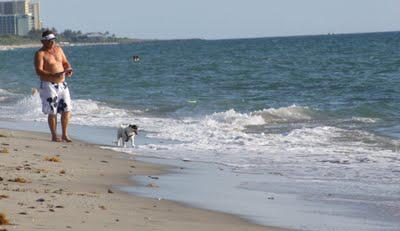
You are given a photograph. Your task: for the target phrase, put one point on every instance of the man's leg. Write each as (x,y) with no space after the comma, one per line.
(52,120)
(64,124)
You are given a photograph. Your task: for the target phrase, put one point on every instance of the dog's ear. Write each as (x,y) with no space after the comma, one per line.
(133,126)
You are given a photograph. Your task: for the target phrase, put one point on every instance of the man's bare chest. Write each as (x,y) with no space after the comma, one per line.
(52,58)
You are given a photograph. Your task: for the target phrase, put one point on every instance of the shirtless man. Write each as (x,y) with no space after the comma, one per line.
(52,67)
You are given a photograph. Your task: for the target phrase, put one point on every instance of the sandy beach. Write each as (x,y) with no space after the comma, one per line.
(21,46)
(59,186)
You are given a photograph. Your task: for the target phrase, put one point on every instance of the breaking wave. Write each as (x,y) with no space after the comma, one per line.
(225,137)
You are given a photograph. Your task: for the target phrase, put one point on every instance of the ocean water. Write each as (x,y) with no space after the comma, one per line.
(320,111)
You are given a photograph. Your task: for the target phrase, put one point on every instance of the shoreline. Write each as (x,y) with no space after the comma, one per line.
(80,191)
(292,205)
(19,46)
(304,161)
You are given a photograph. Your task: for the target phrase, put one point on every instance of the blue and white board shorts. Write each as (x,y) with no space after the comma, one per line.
(55,97)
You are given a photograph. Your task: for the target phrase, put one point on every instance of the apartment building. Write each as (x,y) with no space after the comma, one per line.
(19,17)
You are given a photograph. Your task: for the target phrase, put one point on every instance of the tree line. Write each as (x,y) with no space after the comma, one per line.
(67,36)
(72,36)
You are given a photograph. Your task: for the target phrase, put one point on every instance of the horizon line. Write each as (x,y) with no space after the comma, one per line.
(272,36)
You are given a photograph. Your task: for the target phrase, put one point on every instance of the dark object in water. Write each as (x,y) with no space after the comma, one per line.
(135,58)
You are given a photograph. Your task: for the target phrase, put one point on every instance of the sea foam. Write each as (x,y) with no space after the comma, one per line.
(225,137)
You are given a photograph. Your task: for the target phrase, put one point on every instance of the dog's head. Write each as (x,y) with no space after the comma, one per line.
(133,128)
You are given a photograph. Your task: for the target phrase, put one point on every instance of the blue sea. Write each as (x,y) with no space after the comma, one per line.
(320,112)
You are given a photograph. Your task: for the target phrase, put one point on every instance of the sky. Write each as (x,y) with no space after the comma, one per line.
(221,19)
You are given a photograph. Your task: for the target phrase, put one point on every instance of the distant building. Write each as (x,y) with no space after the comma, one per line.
(35,10)
(14,7)
(19,17)
(15,24)
(96,35)
(8,24)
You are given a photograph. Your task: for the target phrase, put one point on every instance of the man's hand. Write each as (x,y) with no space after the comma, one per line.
(68,72)
(59,74)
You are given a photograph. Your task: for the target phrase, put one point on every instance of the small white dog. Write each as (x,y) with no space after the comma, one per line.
(125,133)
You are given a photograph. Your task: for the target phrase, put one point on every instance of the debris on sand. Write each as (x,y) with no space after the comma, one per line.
(4,150)
(52,159)
(38,171)
(3,219)
(152,185)
(19,180)
(58,191)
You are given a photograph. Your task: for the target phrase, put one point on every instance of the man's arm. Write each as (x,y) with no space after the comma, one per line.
(44,75)
(66,64)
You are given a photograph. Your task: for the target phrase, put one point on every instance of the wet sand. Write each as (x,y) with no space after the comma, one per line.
(68,186)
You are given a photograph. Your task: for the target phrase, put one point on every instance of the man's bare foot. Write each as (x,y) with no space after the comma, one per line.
(66,139)
(56,139)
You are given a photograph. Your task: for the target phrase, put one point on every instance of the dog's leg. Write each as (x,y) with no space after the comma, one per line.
(133,142)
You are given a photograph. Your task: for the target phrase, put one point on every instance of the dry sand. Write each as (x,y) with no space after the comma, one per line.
(21,46)
(75,193)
